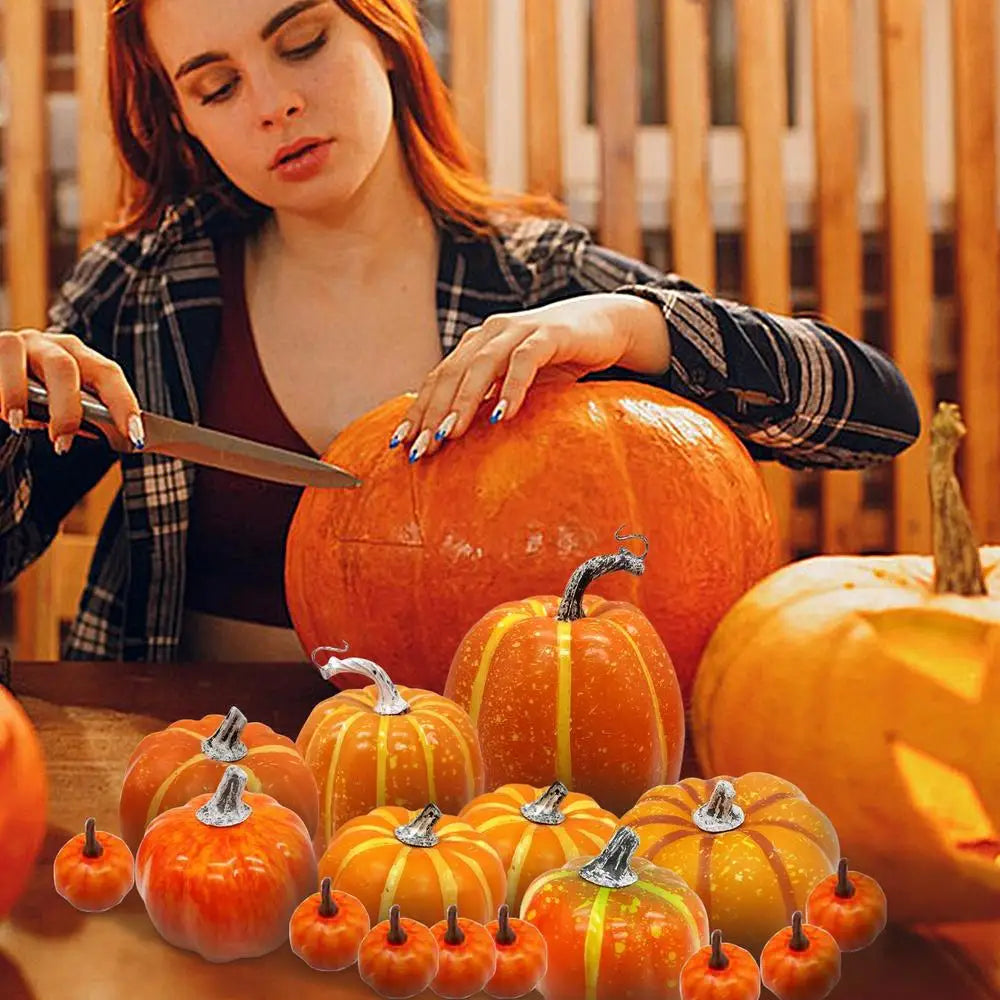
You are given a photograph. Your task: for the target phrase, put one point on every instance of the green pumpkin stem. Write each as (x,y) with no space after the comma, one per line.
(327,906)
(611,868)
(92,847)
(388,701)
(571,605)
(225,744)
(719,960)
(958,568)
(505,933)
(545,809)
(845,887)
(226,807)
(454,934)
(798,940)
(396,933)
(420,833)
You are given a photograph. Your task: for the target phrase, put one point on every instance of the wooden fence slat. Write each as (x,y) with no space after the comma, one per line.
(974,36)
(469,35)
(541,94)
(908,244)
(616,99)
(688,113)
(838,236)
(763,112)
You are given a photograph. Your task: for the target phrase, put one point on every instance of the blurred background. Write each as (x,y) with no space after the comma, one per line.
(826,157)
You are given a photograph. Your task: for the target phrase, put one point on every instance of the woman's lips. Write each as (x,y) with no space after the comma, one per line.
(305,164)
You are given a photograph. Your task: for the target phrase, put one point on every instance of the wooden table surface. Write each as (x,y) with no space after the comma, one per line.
(91,715)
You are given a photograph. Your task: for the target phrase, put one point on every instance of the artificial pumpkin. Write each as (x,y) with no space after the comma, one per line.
(875,681)
(424,861)
(575,689)
(535,830)
(188,758)
(849,905)
(800,962)
(615,926)
(398,957)
(385,745)
(409,563)
(752,847)
(467,956)
(522,956)
(94,870)
(722,971)
(223,874)
(23,799)
(327,928)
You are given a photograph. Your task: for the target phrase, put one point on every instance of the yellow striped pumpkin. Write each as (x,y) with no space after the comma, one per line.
(423,862)
(535,830)
(573,689)
(188,758)
(615,926)
(383,745)
(752,847)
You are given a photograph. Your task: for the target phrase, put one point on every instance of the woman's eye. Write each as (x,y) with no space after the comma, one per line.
(221,94)
(304,51)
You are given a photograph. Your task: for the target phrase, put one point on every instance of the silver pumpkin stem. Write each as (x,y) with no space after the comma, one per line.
(611,868)
(571,605)
(226,807)
(545,809)
(225,744)
(388,700)
(720,813)
(420,833)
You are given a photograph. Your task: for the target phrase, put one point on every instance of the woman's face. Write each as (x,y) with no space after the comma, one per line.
(255,77)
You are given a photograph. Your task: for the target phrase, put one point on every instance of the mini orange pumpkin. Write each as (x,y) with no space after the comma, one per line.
(535,830)
(385,745)
(720,972)
(615,926)
(801,962)
(522,956)
(223,874)
(752,847)
(188,758)
(398,957)
(327,928)
(94,870)
(467,956)
(576,689)
(850,906)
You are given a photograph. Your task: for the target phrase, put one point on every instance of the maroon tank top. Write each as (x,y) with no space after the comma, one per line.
(236,535)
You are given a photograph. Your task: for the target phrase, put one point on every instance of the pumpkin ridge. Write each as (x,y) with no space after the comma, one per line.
(418,728)
(393,878)
(463,743)
(677,902)
(774,860)
(666,840)
(508,819)
(769,800)
(663,818)
(593,942)
(692,794)
(446,877)
(161,791)
(329,786)
(704,876)
(564,706)
(497,634)
(381,756)
(516,867)
(787,824)
(191,732)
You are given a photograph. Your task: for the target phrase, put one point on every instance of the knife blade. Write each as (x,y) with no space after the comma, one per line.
(202,445)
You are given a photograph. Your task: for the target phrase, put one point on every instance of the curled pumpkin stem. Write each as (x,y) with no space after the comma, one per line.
(571,605)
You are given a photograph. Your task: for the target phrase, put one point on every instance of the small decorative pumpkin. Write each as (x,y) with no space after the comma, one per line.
(752,847)
(522,956)
(871,665)
(801,962)
(720,972)
(23,798)
(188,758)
(222,875)
(615,926)
(385,745)
(94,870)
(398,957)
(849,905)
(535,830)
(579,690)
(467,956)
(327,928)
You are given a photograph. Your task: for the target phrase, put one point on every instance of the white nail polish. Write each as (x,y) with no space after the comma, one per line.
(420,445)
(447,426)
(135,431)
(497,414)
(16,420)
(399,433)
(63,443)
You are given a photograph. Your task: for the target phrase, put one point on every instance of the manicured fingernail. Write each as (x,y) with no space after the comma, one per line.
(498,413)
(420,445)
(399,433)
(135,432)
(447,426)
(63,443)
(16,420)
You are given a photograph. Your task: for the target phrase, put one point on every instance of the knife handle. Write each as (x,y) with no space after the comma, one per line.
(96,419)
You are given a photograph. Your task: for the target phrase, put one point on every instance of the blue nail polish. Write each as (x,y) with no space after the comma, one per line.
(394,443)
(413,457)
(497,414)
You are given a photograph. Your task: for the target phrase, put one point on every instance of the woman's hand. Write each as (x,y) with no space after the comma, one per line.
(64,364)
(560,342)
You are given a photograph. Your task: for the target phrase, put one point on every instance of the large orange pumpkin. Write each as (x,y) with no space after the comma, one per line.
(407,564)
(873,683)
(576,689)
(188,758)
(23,799)
(385,745)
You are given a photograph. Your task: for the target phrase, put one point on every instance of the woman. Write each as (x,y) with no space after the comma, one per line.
(304,239)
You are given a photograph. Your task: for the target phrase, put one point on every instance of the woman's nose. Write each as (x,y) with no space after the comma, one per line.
(276,104)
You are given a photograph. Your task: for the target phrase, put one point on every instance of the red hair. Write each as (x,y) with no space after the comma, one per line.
(160,169)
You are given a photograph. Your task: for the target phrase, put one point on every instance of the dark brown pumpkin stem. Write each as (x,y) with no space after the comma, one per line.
(719,960)
(958,568)
(225,744)
(505,933)
(92,847)
(454,934)
(845,887)
(611,868)
(396,933)
(545,809)
(420,833)
(571,605)
(798,941)
(327,906)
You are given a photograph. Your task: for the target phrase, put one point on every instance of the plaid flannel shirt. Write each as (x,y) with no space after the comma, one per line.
(793,390)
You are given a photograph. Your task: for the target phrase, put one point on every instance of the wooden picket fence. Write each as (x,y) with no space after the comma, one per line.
(840,522)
